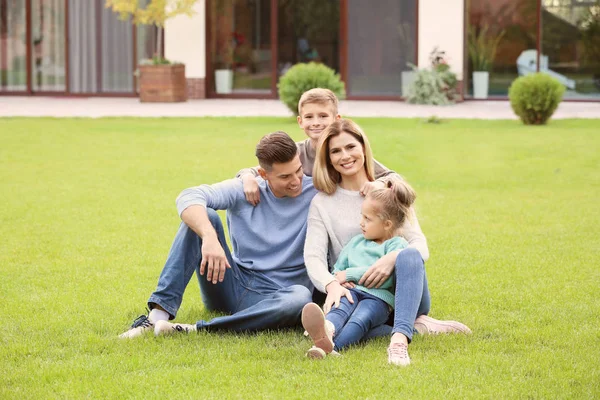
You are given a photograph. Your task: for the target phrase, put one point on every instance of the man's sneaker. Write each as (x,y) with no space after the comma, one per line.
(162,328)
(430,326)
(140,326)
(398,354)
(313,320)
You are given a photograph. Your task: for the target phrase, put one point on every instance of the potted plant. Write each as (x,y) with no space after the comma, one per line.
(482,52)
(160,79)
(224,68)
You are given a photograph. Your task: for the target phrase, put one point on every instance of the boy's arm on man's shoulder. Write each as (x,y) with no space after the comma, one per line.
(219,196)
(247,171)
(382,172)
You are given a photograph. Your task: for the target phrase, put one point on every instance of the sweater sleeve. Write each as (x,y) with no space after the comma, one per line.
(382,172)
(220,196)
(252,171)
(315,249)
(411,231)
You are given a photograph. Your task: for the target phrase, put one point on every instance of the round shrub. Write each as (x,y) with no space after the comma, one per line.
(534,97)
(302,77)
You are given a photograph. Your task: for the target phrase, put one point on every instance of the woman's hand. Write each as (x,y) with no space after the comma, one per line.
(335,292)
(251,190)
(380,271)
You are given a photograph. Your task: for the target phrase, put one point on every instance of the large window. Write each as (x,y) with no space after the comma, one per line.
(558,37)
(514,24)
(571,45)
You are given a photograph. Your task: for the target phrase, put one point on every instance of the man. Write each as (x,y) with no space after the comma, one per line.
(263,284)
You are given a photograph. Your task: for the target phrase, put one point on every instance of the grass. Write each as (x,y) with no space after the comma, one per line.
(88,214)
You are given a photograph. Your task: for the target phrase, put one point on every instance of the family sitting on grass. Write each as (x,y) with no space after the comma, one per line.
(319,214)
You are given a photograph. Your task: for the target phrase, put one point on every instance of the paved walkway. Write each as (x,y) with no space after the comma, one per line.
(96,107)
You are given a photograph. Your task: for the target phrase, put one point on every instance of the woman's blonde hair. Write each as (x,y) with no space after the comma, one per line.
(393,202)
(325,177)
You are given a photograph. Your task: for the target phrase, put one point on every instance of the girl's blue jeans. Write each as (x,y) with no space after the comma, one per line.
(352,321)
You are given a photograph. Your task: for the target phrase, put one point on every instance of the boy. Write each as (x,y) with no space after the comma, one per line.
(317,109)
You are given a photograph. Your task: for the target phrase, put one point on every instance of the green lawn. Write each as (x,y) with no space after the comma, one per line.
(512,215)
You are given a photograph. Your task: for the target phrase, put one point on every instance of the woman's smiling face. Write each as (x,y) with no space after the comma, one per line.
(346,154)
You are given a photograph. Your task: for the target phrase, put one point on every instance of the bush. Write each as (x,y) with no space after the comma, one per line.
(534,97)
(302,77)
(435,86)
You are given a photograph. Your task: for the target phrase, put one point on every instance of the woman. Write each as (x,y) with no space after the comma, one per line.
(344,164)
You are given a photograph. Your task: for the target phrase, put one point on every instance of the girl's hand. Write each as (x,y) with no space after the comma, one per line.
(335,292)
(251,189)
(370,186)
(340,276)
(380,271)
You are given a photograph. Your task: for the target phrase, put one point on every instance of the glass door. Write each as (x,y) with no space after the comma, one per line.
(308,30)
(48,44)
(13,46)
(240,47)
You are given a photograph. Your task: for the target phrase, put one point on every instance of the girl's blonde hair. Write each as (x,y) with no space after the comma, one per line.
(394,202)
(325,177)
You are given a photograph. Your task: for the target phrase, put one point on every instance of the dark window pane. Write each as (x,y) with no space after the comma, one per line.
(13,46)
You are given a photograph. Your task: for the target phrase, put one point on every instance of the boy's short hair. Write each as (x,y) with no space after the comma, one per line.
(318,96)
(276,147)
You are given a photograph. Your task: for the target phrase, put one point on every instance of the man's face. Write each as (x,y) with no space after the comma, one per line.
(314,118)
(285,179)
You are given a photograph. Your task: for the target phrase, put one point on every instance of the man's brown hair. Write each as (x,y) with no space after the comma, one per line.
(276,147)
(318,96)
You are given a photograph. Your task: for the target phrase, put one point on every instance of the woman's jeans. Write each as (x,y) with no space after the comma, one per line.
(353,321)
(412,295)
(254,301)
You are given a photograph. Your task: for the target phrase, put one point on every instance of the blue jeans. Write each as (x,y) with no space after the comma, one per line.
(253,301)
(353,321)
(412,295)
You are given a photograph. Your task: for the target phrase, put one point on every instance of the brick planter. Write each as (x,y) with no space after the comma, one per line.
(163,83)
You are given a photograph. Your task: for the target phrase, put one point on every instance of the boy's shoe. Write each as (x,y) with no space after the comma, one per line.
(398,354)
(430,326)
(140,326)
(313,320)
(163,328)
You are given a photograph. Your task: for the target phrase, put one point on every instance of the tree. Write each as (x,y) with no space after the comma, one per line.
(152,12)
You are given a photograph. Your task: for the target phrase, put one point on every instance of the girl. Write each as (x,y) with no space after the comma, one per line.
(383,212)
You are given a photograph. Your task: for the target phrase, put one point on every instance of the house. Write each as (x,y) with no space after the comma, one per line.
(240,48)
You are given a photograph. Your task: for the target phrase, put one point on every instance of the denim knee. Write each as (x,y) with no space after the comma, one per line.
(408,259)
(295,298)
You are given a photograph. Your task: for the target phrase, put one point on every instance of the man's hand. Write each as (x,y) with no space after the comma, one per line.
(334,294)
(370,186)
(251,189)
(380,271)
(214,262)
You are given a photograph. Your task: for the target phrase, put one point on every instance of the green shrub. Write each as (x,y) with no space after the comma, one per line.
(534,97)
(302,77)
(434,86)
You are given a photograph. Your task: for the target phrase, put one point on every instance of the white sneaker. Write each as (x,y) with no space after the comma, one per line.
(140,326)
(163,328)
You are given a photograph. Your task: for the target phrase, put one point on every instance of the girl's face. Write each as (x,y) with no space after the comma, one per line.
(372,226)
(346,154)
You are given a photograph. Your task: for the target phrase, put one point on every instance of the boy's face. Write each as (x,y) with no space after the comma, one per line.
(314,118)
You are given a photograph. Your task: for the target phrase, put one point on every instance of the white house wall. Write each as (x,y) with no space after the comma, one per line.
(185,41)
(441,24)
